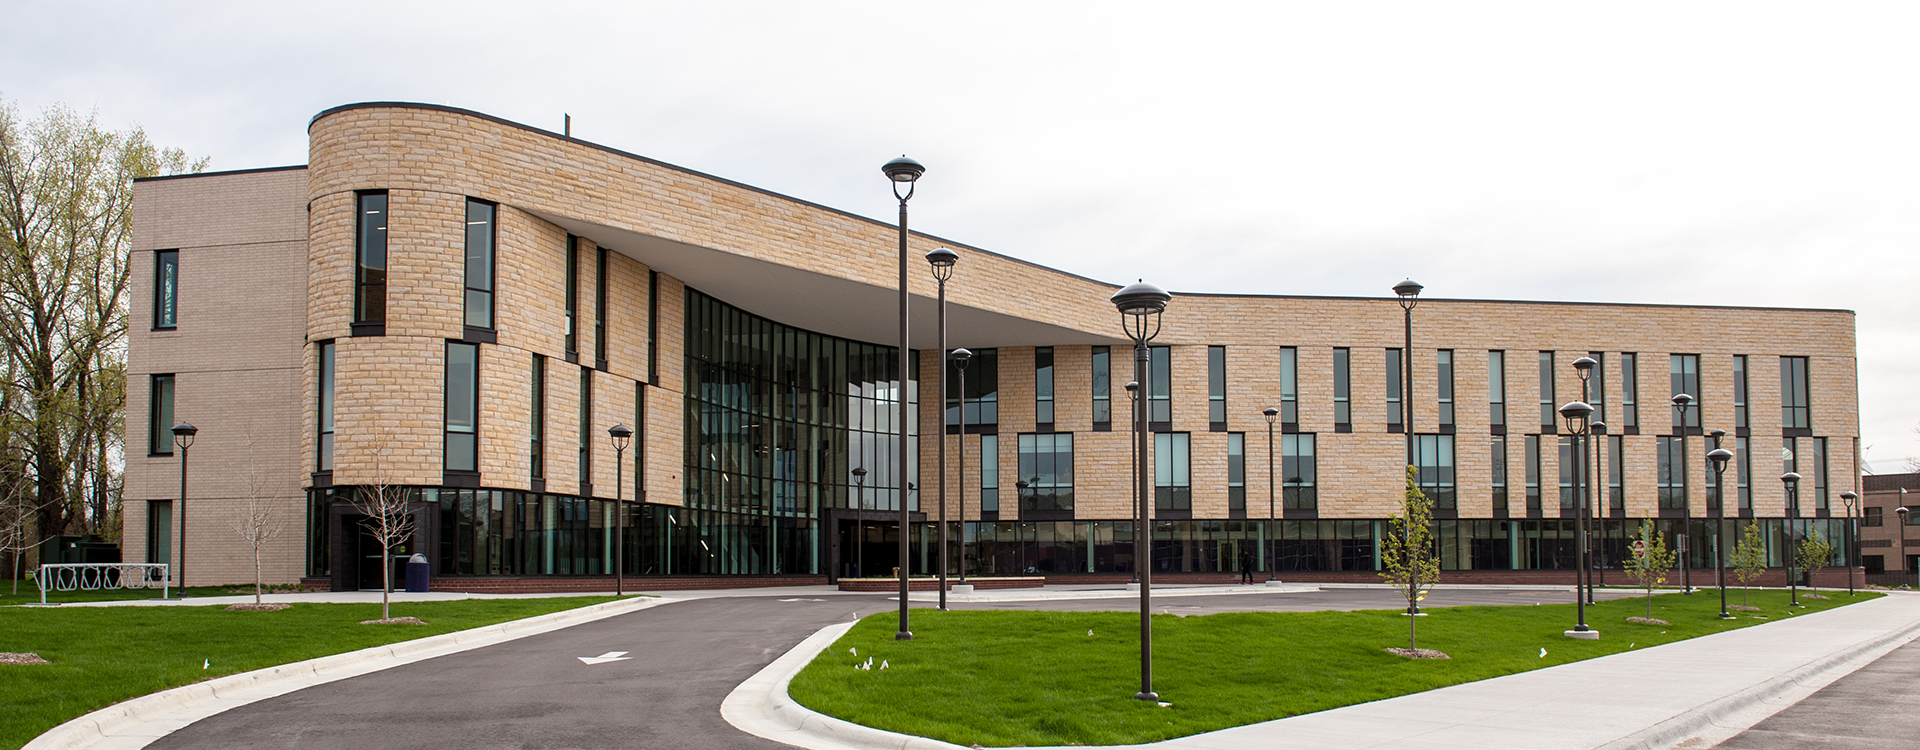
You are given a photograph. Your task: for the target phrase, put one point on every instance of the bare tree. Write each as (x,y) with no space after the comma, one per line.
(256,525)
(1650,566)
(388,519)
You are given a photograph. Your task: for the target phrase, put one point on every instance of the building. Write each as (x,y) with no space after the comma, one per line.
(1889,551)
(462,306)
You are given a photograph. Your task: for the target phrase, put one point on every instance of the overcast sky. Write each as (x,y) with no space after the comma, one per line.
(1741,153)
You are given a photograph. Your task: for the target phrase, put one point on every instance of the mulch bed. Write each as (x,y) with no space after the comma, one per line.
(1743,608)
(1417,653)
(1647,621)
(394,621)
(12,658)
(257,607)
(1815,596)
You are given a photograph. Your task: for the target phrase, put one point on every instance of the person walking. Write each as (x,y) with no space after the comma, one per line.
(1246,566)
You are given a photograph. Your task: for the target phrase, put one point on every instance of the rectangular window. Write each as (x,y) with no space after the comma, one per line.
(1443,362)
(1102,386)
(1433,455)
(1236,471)
(463,407)
(1299,467)
(479,264)
(1793,393)
(1549,411)
(1497,388)
(1172,486)
(1616,473)
(600,308)
(572,295)
(1569,461)
(1393,390)
(1289,385)
(1743,472)
(160,532)
(1816,474)
(536,449)
(1684,373)
(982,396)
(1672,473)
(1498,466)
(324,445)
(990,473)
(1046,472)
(1629,392)
(1740,416)
(1217,387)
(1343,387)
(1160,386)
(1533,472)
(160,416)
(370,259)
(166,289)
(1872,516)
(586,426)
(1043,386)
(1596,387)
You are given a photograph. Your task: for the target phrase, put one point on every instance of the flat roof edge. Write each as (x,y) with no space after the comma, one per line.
(223,173)
(1518,302)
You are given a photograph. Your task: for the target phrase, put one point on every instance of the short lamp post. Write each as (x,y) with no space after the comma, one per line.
(620,435)
(1272,525)
(1719,457)
(859,522)
(903,172)
(1902,512)
(1792,481)
(1133,471)
(1680,402)
(960,359)
(183,437)
(1577,414)
(942,261)
(1140,306)
(1848,499)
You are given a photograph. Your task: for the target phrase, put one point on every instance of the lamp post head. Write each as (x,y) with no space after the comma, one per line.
(1271,413)
(1597,428)
(1719,458)
(1409,293)
(1133,393)
(620,434)
(942,261)
(183,435)
(859,473)
(903,169)
(1791,479)
(1847,498)
(1584,366)
(1141,299)
(1902,510)
(1682,400)
(961,357)
(1576,411)
(1717,433)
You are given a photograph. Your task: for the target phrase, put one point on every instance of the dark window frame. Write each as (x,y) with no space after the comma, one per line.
(1041,470)
(1549,409)
(1300,472)
(326,403)
(1102,388)
(1043,381)
(159,431)
(1683,376)
(1176,449)
(571,300)
(1395,360)
(537,421)
(1159,388)
(1342,389)
(369,294)
(489,269)
(1217,388)
(1796,409)
(1630,393)
(1443,366)
(166,290)
(449,429)
(1237,471)
(1497,390)
(1290,388)
(600,309)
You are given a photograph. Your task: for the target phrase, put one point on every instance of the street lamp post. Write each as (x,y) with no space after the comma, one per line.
(1141,305)
(183,437)
(1577,414)
(1718,458)
(1597,491)
(1902,512)
(1134,473)
(1272,527)
(620,434)
(859,522)
(903,171)
(942,261)
(1792,480)
(1584,368)
(960,359)
(1408,291)
(1849,498)
(1681,401)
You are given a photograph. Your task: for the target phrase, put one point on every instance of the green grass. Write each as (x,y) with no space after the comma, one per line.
(103,655)
(1006,678)
(30,595)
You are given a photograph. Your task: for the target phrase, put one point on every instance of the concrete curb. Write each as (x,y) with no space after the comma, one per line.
(136,722)
(761,707)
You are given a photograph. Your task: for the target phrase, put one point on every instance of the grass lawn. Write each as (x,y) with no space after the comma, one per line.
(1005,678)
(103,655)
(30,595)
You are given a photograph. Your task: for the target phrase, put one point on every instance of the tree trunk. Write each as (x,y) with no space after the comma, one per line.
(386,580)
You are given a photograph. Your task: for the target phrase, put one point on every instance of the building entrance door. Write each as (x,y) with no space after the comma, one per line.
(366,552)
(868,549)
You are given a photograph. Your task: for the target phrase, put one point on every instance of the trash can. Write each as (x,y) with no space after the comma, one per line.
(418,571)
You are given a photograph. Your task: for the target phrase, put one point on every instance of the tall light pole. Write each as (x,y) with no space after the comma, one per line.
(1134,473)
(960,359)
(1718,458)
(1584,368)
(942,261)
(1792,480)
(903,171)
(183,437)
(620,434)
(1140,306)
(1409,293)
(1577,414)
(1902,512)
(1681,401)
(1849,498)
(1270,413)
(859,522)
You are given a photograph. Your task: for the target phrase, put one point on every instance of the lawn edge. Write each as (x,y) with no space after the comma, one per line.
(155,715)
(760,706)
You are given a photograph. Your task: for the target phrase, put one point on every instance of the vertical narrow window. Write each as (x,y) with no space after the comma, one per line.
(1549,411)
(370,259)
(1684,373)
(1299,467)
(1672,473)
(1497,390)
(1217,387)
(1793,394)
(1172,485)
(1533,472)
(1434,457)
(462,407)
(1289,385)
(536,449)
(1393,390)
(323,458)
(1817,465)
(1597,386)
(653,329)
(1043,386)
(1743,478)
(989,473)
(1443,361)
(1741,418)
(600,308)
(1569,460)
(983,392)
(572,295)
(586,427)
(160,532)
(480,235)
(1343,388)
(1160,386)
(1046,472)
(160,416)
(1236,471)
(166,289)
(1498,465)
(1629,392)
(1102,387)
(1617,473)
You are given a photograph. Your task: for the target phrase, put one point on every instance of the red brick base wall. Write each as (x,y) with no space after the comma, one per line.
(1773,577)
(563,584)
(933,584)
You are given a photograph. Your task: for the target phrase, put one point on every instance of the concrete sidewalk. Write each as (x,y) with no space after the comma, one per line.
(1699,692)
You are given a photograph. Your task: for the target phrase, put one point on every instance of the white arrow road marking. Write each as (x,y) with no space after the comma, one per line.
(803,600)
(604,658)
